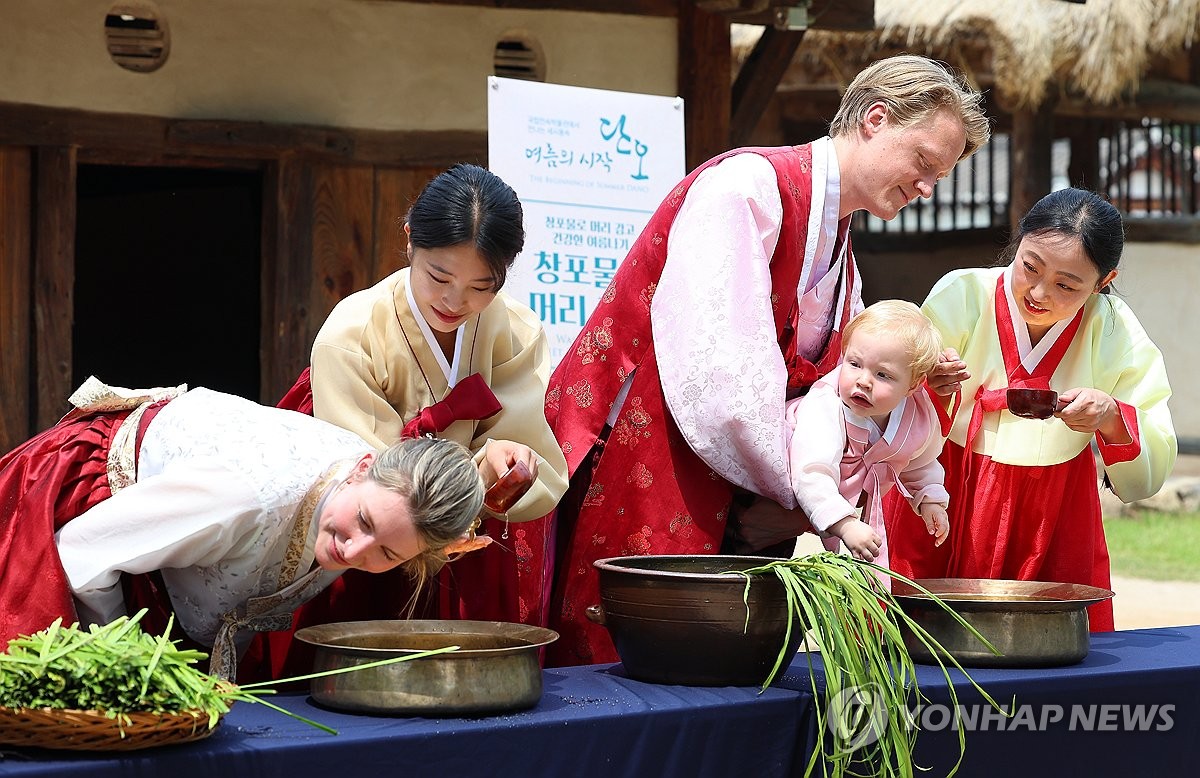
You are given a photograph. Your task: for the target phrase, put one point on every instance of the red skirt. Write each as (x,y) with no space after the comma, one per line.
(45,483)
(483,585)
(1011,522)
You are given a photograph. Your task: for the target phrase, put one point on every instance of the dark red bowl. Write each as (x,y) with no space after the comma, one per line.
(1032,403)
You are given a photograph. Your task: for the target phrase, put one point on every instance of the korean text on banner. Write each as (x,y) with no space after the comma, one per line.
(590,167)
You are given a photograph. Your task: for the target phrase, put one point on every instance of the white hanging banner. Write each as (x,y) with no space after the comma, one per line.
(590,167)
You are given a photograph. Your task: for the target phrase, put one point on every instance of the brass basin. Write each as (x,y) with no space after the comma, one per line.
(1031,623)
(679,620)
(496,668)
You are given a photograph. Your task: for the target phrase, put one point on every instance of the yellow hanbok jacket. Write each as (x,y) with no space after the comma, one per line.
(1110,352)
(374,368)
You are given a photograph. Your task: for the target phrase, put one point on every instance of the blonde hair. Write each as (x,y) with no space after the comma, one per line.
(444,494)
(903,321)
(912,88)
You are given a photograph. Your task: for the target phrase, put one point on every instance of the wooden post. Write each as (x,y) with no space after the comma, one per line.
(287,275)
(759,78)
(319,244)
(1029,159)
(395,191)
(1083,170)
(16,323)
(54,281)
(705,75)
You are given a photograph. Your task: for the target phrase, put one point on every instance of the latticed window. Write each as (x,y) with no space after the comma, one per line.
(1150,168)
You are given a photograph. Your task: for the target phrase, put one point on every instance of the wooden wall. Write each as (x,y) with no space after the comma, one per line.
(333,206)
(330,229)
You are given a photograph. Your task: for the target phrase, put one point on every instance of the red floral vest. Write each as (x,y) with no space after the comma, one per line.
(649,493)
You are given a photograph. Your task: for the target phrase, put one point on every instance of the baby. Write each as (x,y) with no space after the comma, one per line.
(865,427)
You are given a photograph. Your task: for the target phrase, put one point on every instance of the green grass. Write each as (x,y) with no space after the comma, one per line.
(1156,546)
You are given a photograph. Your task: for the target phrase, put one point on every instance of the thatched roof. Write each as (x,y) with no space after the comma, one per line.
(1099,50)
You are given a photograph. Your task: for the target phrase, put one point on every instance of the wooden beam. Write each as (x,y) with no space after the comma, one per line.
(628,7)
(806,112)
(758,79)
(1172,101)
(16,366)
(1174,229)
(154,140)
(705,73)
(837,15)
(53,281)
(1029,159)
(845,15)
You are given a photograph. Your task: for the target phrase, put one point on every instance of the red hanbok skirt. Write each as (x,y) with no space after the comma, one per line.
(45,483)
(1010,522)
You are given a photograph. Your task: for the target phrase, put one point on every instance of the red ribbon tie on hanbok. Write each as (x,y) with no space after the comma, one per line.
(992,400)
(470,399)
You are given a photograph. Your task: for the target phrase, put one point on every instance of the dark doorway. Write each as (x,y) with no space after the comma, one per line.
(167,277)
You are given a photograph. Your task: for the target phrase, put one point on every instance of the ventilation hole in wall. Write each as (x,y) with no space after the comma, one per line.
(518,56)
(137,36)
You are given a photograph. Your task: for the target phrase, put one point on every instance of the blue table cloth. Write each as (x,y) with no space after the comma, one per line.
(591,721)
(1131,708)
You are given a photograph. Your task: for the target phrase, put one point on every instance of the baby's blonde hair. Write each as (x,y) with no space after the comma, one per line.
(903,321)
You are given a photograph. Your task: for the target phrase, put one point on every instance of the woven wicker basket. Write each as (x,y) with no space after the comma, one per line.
(81,730)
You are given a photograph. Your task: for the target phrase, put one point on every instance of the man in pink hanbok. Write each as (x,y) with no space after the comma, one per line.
(669,407)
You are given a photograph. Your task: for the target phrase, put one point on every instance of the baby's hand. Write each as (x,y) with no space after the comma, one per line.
(936,522)
(862,541)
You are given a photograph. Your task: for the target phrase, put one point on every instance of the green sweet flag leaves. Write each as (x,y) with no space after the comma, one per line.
(118,669)
(859,627)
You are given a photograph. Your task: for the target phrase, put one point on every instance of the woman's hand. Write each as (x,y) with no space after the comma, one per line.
(500,455)
(1092,411)
(948,374)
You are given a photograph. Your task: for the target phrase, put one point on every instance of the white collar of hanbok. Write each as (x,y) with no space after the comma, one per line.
(868,424)
(823,212)
(450,371)
(1030,355)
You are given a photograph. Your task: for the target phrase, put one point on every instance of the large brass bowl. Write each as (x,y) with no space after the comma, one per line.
(1031,623)
(679,620)
(495,670)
